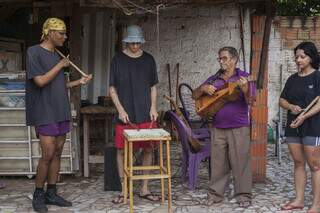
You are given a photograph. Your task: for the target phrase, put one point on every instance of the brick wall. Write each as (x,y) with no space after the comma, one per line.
(259,111)
(287,33)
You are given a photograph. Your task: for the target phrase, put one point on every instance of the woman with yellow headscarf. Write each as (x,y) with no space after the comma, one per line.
(48,109)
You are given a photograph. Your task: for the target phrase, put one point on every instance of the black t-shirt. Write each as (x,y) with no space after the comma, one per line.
(133,78)
(48,104)
(301,90)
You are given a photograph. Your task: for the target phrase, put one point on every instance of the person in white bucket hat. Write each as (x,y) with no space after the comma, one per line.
(134,35)
(133,79)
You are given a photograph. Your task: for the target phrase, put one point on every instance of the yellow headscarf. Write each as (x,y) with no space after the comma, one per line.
(52,24)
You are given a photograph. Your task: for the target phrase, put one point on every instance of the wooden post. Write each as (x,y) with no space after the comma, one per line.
(86,138)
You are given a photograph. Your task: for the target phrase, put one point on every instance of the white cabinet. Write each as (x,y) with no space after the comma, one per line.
(19,146)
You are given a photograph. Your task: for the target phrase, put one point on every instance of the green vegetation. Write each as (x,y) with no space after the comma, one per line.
(298,7)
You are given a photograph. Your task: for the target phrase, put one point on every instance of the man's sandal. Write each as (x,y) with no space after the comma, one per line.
(118,200)
(244,204)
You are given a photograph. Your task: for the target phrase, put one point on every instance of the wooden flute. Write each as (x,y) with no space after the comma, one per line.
(72,64)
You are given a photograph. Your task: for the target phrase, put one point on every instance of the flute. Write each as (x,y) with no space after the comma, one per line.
(72,64)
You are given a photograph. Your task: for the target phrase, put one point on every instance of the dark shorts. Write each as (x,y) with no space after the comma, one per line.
(55,129)
(306,141)
(119,139)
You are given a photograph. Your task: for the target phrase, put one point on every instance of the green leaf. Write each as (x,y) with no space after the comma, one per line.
(298,7)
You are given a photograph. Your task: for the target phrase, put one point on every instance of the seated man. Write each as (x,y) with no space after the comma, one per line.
(133,77)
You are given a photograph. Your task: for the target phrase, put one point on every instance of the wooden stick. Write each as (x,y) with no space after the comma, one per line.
(72,64)
(315,100)
(310,105)
(169,82)
(133,125)
(177,83)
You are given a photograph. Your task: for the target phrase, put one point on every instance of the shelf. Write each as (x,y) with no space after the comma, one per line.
(11,141)
(14,158)
(12,91)
(12,108)
(17,138)
(62,156)
(30,173)
(37,140)
(13,125)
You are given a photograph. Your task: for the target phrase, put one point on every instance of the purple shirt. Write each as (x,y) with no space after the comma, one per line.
(233,114)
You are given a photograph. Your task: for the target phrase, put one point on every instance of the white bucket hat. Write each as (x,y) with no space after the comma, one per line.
(134,34)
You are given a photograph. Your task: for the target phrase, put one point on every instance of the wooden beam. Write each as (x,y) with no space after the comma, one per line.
(75,56)
(265,46)
(15,1)
(106,3)
(52,4)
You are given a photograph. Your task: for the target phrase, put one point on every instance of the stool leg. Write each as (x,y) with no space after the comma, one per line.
(130,177)
(169,179)
(125,168)
(161,172)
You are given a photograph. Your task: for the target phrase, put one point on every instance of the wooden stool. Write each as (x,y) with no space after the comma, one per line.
(147,136)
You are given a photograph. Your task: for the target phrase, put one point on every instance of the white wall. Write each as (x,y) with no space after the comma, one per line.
(192,37)
(97,51)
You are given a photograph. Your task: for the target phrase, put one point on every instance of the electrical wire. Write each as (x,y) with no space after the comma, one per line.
(138,8)
(141,7)
(158,27)
(124,9)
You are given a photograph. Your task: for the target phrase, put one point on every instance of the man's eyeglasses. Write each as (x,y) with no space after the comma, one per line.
(223,59)
(62,33)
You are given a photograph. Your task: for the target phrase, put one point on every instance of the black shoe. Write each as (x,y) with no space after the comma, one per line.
(52,198)
(38,202)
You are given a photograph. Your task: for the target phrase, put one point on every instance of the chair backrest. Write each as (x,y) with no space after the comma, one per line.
(189,105)
(183,130)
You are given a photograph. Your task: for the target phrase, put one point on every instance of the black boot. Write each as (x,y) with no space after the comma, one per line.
(38,201)
(53,199)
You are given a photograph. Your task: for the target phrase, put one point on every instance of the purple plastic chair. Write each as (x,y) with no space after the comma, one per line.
(188,106)
(190,160)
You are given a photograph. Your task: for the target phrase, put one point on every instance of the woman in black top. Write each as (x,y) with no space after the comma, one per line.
(303,129)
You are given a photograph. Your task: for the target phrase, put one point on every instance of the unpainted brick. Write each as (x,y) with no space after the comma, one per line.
(303,34)
(284,22)
(291,33)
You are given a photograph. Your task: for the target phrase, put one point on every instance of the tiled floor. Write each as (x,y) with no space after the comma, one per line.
(88,195)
